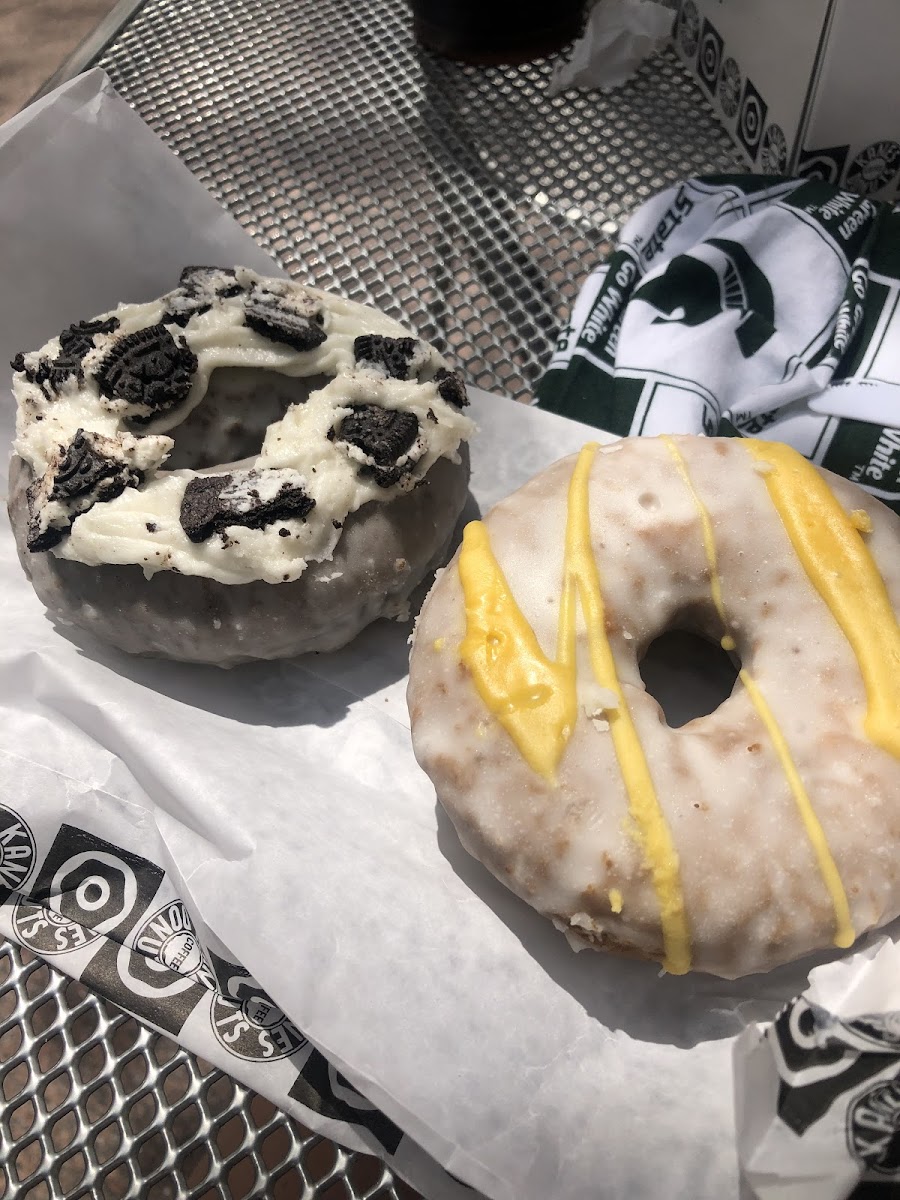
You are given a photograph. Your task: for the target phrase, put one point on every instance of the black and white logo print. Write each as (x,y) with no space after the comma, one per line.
(752,119)
(692,292)
(773,156)
(816,1063)
(17,853)
(169,939)
(710,60)
(689,28)
(826,164)
(873,1128)
(874,167)
(162,976)
(246,1021)
(323,1089)
(86,887)
(730,87)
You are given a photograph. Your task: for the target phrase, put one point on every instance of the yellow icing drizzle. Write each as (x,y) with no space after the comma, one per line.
(615,900)
(840,567)
(658,848)
(844,934)
(843,926)
(535,699)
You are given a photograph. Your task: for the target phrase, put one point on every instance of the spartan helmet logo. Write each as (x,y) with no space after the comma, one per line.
(691,292)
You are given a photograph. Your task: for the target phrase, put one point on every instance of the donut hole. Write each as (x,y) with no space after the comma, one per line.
(231,420)
(688,674)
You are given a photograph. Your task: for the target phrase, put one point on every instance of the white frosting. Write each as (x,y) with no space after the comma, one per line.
(142,526)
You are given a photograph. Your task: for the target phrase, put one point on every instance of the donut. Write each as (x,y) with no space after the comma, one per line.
(243,469)
(746,838)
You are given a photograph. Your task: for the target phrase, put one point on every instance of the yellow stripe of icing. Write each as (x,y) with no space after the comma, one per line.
(533,698)
(844,934)
(843,572)
(655,836)
(843,929)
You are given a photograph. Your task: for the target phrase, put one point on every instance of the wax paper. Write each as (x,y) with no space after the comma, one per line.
(252,860)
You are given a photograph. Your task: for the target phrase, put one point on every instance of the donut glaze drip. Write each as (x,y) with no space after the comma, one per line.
(657,845)
(844,935)
(839,566)
(535,699)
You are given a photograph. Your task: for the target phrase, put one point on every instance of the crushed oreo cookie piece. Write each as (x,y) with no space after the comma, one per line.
(220,280)
(50,374)
(273,317)
(80,469)
(451,387)
(78,340)
(148,369)
(384,435)
(198,289)
(75,342)
(393,355)
(211,503)
(82,473)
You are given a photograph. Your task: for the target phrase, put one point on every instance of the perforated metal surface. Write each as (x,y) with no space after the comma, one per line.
(458,197)
(94,1104)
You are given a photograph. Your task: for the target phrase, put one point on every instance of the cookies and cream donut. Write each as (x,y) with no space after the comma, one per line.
(244,468)
(763,831)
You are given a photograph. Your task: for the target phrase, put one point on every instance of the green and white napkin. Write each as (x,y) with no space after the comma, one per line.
(751,306)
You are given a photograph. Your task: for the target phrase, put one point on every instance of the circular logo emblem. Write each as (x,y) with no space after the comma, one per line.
(689,28)
(873,1128)
(874,167)
(255,1028)
(730,87)
(169,937)
(773,155)
(47,931)
(17,850)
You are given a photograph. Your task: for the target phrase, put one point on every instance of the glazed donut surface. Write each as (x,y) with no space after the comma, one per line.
(749,837)
(235,431)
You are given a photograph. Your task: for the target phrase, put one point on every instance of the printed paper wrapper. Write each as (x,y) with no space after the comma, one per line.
(252,862)
(818,1091)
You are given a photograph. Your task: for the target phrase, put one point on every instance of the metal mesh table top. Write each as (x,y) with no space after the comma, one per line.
(460,199)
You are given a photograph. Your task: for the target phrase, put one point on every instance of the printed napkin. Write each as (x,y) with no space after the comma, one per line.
(750,306)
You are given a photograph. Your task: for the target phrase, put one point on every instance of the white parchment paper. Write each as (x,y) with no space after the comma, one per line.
(284,802)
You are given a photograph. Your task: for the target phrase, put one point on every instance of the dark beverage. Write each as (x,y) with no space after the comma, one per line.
(496,31)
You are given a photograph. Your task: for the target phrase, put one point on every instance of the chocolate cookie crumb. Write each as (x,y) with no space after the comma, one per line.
(384,435)
(392,354)
(152,527)
(81,470)
(150,369)
(207,508)
(274,318)
(78,339)
(451,387)
(198,289)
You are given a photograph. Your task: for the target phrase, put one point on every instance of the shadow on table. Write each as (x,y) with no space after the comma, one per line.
(633,996)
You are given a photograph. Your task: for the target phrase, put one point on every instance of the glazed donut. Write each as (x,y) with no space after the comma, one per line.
(747,838)
(245,468)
